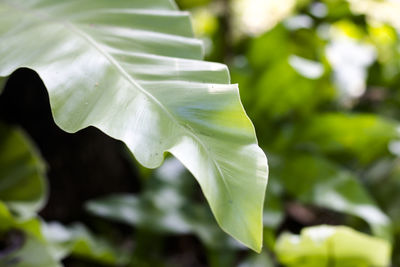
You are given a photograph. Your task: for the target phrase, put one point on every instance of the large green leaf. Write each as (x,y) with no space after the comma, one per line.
(22,183)
(132,69)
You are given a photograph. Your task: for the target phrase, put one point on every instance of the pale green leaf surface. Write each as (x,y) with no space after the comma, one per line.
(338,246)
(132,69)
(22,182)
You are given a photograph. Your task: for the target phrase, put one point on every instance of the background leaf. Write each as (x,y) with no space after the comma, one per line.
(22,179)
(317,181)
(334,246)
(26,246)
(80,242)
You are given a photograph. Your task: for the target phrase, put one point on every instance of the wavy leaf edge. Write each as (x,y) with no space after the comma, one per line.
(250,237)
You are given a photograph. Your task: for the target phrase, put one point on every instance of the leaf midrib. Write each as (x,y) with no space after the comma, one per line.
(191,132)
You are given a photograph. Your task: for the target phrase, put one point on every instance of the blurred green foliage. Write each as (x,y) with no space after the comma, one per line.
(329,245)
(322,86)
(22,185)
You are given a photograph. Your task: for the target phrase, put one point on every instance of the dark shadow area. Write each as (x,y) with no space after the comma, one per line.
(81,166)
(299,216)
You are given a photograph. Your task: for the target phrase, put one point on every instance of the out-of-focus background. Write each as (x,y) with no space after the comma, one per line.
(320,81)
